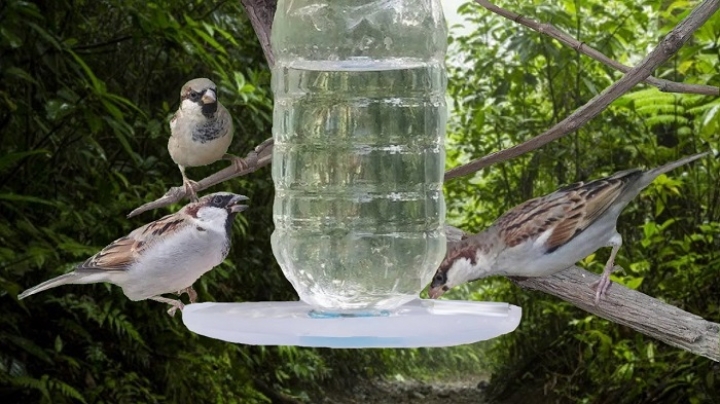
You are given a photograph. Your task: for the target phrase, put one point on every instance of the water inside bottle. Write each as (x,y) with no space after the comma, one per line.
(358,165)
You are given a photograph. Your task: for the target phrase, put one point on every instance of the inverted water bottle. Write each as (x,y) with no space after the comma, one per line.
(359,129)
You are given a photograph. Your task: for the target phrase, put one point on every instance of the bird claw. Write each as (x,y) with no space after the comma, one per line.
(250,162)
(190,187)
(175,306)
(192,294)
(243,164)
(602,285)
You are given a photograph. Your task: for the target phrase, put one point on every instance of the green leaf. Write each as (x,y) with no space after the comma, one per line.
(30,347)
(97,85)
(10,159)
(58,344)
(632,283)
(26,198)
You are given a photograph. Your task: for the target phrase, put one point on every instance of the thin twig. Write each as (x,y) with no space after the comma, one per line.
(674,40)
(553,32)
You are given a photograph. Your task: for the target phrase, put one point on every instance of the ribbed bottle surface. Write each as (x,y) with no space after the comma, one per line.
(358,165)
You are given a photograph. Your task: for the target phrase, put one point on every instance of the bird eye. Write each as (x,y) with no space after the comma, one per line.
(194,95)
(218,201)
(439,278)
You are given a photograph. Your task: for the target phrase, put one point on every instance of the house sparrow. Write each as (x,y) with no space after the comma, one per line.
(200,131)
(550,233)
(165,256)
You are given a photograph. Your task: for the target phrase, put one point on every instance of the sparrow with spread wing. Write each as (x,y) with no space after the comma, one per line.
(165,256)
(200,131)
(551,233)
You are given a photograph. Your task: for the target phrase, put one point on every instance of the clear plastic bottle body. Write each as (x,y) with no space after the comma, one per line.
(359,128)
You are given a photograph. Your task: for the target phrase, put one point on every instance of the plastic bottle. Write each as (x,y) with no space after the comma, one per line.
(359,128)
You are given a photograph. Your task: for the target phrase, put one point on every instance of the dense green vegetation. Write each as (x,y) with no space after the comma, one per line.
(87,89)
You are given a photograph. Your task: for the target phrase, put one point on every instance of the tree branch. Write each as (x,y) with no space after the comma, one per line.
(261,14)
(672,42)
(551,31)
(633,309)
(259,157)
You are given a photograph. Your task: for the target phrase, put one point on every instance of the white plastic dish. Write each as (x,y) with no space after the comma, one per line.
(419,323)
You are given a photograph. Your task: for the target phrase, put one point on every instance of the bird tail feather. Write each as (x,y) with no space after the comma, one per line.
(650,175)
(70,277)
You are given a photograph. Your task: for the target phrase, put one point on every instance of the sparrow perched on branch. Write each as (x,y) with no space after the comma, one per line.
(165,256)
(548,234)
(200,131)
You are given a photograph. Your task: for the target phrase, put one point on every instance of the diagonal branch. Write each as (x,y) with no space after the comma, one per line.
(549,30)
(633,309)
(259,157)
(261,14)
(621,305)
(674,40)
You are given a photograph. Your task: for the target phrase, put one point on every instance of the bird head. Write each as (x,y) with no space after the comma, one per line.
(201,95)
(459,266)
(219,208)
(441,282)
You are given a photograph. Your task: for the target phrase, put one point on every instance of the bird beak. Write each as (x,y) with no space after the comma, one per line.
(436,292)
(209,97)
(235,206)
(209,102)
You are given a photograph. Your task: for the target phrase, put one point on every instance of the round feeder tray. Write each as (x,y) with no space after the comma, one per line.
(419,323)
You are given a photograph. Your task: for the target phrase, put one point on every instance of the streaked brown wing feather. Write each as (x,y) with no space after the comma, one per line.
(568,211)
(532,218)
(115,257)
(123,252)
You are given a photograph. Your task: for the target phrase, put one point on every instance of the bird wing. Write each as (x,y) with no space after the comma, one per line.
(567,211)
(123,252)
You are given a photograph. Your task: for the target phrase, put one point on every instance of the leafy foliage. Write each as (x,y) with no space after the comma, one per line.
(516,84)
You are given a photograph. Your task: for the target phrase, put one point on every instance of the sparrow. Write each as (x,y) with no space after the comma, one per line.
(200,131)
(550,233)
(164,256)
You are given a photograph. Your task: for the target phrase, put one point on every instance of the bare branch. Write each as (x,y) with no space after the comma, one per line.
(259,157)
(674,40)
(261,14)
(633,309)
(551,31)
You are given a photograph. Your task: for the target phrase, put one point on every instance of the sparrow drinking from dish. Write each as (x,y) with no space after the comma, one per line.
(551,233)
(200,131)
(165,256)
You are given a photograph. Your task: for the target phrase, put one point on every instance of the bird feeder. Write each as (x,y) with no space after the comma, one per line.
(358,160)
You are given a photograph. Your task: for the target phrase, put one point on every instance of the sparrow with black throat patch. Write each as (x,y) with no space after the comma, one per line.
(200,131)
(548,234)
(165,256)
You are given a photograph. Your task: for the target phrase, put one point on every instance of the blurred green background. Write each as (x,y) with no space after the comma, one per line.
(86,91)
